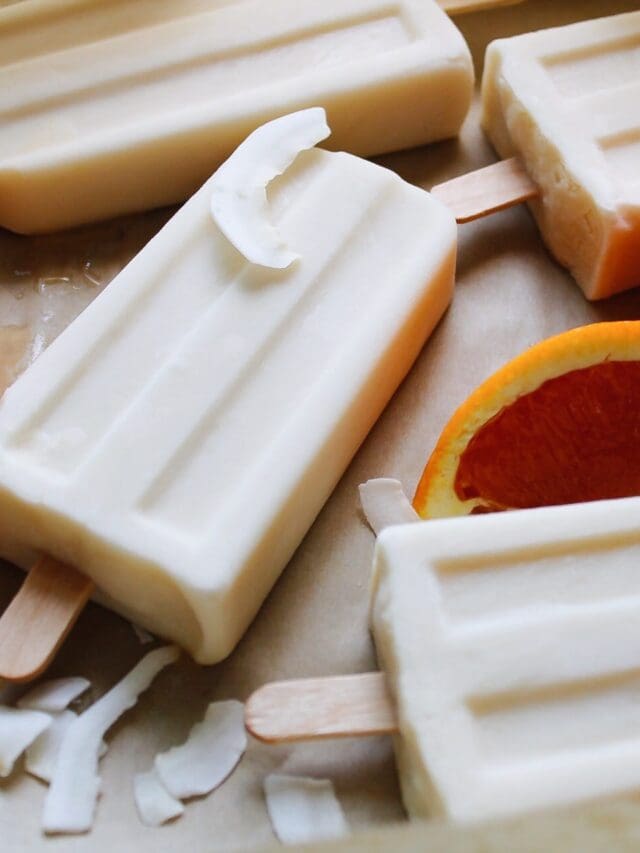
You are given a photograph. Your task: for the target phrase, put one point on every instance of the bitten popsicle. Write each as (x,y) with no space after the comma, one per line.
(566,101)
(511,652)
(113,107)
(176,442)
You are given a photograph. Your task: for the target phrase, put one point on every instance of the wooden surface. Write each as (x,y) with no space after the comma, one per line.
(315,708)
(485,191)
(39,617)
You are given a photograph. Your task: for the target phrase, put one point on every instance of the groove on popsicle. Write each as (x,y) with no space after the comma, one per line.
(488,190)
(166,63)
(205,444)
(316,708)
(36,622)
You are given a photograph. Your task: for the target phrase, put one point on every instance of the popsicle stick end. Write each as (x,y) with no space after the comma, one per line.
(36,622)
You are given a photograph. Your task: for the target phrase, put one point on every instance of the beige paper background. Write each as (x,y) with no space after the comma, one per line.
(509,294)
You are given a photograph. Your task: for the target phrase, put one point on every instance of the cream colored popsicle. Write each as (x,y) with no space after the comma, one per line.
(178,439)
(567,101)
(114,106)
(510,643)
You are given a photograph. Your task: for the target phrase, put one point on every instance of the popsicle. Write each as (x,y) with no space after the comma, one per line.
(176,442)
(592,828)
(567,102)
(114,107)
(510,646)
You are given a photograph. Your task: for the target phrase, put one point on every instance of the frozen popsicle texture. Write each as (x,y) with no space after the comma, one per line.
(567,101)
(511,644)
(179,438)
(113,107)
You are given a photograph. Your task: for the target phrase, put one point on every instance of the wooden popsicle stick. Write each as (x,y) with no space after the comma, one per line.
(460,7)
(488,190)
(39,617)
(316,708)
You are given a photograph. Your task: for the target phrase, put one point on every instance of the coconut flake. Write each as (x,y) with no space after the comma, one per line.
(303,809)
(155,804)
(239,203)
(209,754)
(384,503)
(18,730)
(71,800)
(41,756)
(54,696)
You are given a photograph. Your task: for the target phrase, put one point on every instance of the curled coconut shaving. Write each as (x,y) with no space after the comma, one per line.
(71,799)
(384,503)
(209,754)
(54,696)
(154,803)
(303,810)
(239,203)
(18,730)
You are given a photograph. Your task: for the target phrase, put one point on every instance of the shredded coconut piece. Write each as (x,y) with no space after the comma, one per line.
(239,203)
(209,754)
(384,503)
(18,730)
(302,809)
(41,756)
(54,696)
(71,800)
(155,804)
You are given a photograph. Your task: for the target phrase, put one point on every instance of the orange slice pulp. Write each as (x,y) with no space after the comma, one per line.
(560,423)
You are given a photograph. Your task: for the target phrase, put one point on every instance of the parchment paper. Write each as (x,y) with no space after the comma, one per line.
(509,294)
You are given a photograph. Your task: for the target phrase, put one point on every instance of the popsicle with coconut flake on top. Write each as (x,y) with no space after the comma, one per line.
(176,442)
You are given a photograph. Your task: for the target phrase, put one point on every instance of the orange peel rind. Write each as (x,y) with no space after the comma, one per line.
(580,418)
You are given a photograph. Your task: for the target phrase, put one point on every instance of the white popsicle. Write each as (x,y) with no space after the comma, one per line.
(178,439)
(510,643)
(567,102)
(114,107)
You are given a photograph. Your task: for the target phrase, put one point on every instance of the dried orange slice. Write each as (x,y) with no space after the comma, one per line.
(560,423)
